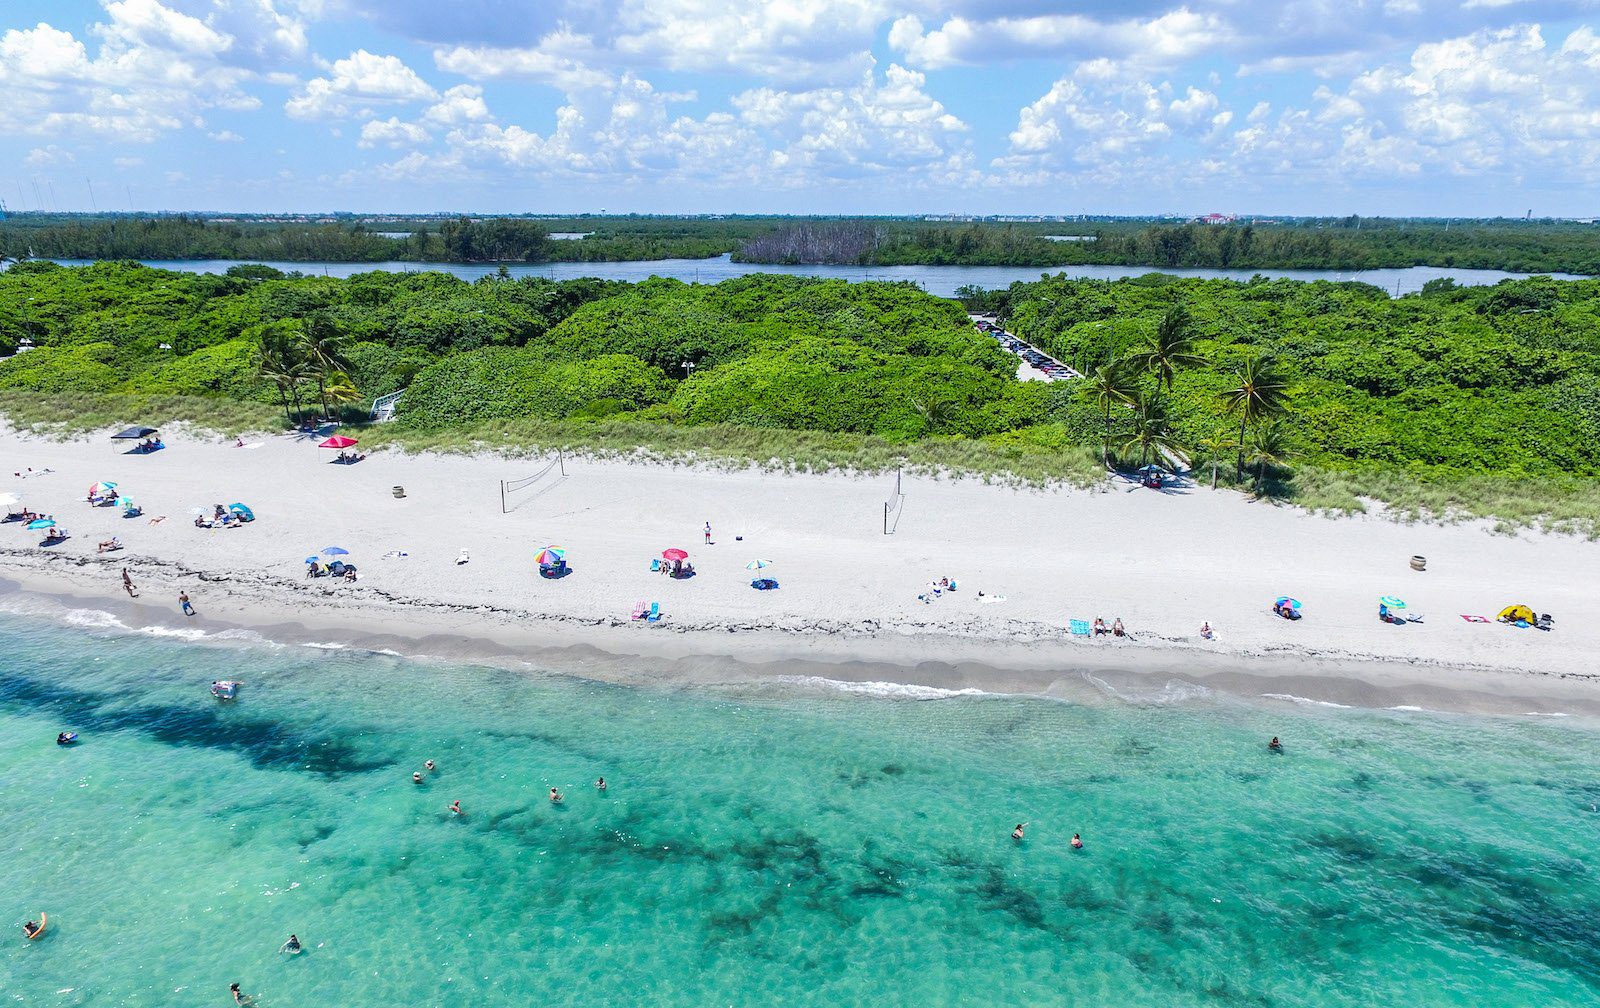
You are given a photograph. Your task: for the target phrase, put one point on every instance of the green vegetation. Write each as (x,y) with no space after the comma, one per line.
(1348,243)
(1456,401)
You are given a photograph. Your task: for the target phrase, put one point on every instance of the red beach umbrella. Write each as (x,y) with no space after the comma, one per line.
(338,441)
(674,554)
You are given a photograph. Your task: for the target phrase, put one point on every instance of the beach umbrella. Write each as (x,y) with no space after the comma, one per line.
(99,488)
(1284,600)
(335,551)
(125,503)
(674,554)
(311,559)
(42,523)
(134,434)
(1391,602)
(242,511)
(550,556)
(339,441)
(757,564)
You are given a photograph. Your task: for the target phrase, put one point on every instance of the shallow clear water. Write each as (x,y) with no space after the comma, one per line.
(765,845)
(941,281)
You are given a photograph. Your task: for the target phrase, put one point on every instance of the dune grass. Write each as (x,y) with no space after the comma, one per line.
(1561,504)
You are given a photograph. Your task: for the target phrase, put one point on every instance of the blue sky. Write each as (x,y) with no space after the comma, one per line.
(1482,107)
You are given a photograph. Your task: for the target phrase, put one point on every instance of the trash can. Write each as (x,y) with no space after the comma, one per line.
(400,491)
(1417,562)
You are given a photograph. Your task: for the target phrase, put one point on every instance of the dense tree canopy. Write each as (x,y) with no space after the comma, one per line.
(1491,380)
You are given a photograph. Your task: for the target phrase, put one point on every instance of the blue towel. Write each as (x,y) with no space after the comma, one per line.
(1080,628)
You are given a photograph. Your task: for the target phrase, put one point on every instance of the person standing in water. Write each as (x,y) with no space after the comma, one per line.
(555,796)
(292,946)
(1275,745)
(429,766)
(1077,842)
(1016,834)
(455,807)
(600,785)
(239,997)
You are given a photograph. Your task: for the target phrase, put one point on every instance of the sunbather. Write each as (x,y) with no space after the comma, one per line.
(109,545)
(1116,628)
(1099,626)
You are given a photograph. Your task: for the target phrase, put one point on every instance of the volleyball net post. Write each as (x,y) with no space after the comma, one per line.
(893,505)
(557,465)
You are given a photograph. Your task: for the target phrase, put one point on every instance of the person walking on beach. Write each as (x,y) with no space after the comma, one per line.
(127,584)
(708,533)
(183,600)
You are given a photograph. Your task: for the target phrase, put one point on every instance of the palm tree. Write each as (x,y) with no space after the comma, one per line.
(1269,445)
(1262,394)
(324,353)
(280,358)
(1169,348)
(1151,432)
(1215,446)
(341,391)
(1106,386)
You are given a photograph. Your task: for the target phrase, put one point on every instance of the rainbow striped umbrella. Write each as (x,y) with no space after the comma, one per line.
(101,488)
(550,556)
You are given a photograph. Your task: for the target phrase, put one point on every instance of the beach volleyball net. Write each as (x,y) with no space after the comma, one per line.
(893,506)
(514,493)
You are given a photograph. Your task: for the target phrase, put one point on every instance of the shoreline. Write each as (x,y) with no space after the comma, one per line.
(920,666)
(855,603)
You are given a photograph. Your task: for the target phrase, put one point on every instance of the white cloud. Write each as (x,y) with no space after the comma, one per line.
(461,104)
(358,80)
(226,136)
(392,132)
(156,68)
(1160,41)
(48,157)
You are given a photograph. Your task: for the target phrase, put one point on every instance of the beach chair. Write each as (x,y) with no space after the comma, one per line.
(463,557)
(639,609)
(1079,628)
(655,565)
(654,616)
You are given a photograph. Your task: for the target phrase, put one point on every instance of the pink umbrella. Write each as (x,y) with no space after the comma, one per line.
(674,554)
(338,441)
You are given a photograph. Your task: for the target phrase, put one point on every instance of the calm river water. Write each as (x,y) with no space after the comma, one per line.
(938,280)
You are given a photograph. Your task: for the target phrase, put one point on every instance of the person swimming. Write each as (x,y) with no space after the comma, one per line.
(600,785)
(239,996)
(555,796)
(416,778)
(1275,745)
(292,946)
(455,807)
(1016,834)
(429,765)
(66,738)
(1077,842)
(32,928)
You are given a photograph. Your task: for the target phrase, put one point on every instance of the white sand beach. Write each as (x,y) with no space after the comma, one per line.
(1162,562)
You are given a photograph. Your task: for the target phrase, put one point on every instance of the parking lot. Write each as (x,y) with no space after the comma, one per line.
(1034,364)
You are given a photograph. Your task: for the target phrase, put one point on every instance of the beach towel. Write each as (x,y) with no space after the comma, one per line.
(1080,628)
(1475,619)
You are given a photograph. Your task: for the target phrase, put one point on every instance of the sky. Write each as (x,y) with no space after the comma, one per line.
(1319,107)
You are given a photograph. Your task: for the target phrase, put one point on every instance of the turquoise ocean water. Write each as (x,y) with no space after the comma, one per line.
(765,845)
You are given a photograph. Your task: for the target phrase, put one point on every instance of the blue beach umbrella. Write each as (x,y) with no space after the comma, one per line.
(42,523)
(1284,600)
(1391,602)
(335,551)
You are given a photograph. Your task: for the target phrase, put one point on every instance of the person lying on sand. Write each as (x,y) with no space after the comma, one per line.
(109,546)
